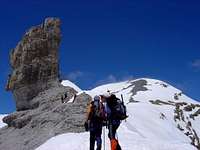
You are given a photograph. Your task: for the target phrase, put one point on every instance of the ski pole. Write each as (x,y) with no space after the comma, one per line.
(117,136)
(122,98)
(104,138)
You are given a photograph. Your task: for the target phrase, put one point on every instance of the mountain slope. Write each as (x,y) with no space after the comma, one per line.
(161,117)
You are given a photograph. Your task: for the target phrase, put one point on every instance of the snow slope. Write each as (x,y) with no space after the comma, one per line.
(70,84)
(1,122)
(157,119)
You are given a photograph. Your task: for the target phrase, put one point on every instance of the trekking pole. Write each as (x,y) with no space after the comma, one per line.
(116,137)
(123,102)
(122,98)
(104,138)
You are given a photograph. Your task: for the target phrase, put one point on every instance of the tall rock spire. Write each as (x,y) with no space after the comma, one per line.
(35,62)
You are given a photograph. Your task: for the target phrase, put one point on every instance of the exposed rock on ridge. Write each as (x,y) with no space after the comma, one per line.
(41,113)
(35,62)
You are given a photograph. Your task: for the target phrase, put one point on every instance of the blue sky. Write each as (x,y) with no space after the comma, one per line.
(107,41)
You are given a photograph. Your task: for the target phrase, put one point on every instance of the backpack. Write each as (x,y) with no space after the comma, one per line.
(98,110)
(118,110)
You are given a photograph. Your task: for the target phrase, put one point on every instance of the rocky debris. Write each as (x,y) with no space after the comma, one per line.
(183,121)
(162,116)
(133,101)
(196,114)
(196,140)
(180,103)
(183,112)
(138,85)
(34,62)
(180,128)
(159,102)
(164,85)
(178,113)
(176,97)
(180,94)
(188,108)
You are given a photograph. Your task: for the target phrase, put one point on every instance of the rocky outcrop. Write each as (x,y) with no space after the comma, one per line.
(34,63)
(29,129)
(41,111)
(137,86)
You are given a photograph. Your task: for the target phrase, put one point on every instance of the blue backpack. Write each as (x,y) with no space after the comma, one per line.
(98,109)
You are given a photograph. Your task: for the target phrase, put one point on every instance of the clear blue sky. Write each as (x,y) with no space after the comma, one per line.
(107,41)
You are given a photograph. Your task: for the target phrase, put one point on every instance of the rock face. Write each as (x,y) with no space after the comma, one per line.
(41,113)
(35,62)
(29,129)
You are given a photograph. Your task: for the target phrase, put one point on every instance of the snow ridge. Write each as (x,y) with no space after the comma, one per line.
(161,117)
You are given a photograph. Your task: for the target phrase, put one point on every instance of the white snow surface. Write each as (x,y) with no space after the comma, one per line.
(144,129)
(71,100)
(70,84)
(1,122)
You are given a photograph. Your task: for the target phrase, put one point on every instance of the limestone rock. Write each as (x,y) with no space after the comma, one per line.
(29,129)
(35,62)
(41,113)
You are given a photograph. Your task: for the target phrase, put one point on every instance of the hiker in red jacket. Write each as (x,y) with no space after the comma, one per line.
(94,122)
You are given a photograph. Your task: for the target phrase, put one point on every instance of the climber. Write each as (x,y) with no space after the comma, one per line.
(8,83)
(94,122)
(115,112)
(63,97)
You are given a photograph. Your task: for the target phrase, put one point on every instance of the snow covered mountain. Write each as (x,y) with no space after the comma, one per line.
(161,117)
